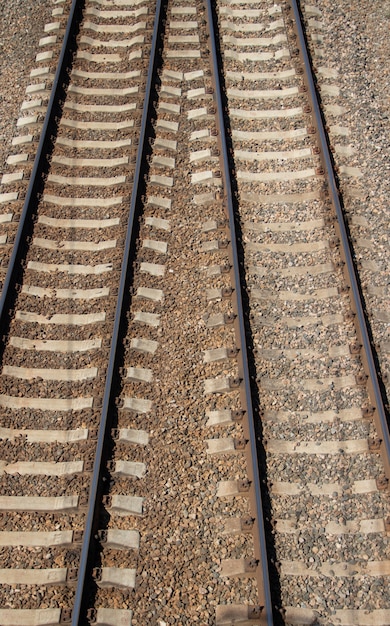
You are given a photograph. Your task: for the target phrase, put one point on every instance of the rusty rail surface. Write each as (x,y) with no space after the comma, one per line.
(368,357)
(260,542)
(41,163)
(94,502)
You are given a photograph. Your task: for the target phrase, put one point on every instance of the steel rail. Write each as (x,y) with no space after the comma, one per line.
(380,414)
(268,611)
(40,161)
(104,422)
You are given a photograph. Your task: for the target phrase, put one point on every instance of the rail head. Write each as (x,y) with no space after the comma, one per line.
(350,270)
(79,608)
(267,613)
(41,161)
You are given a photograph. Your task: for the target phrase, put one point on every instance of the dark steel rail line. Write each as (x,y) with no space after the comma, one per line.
(15,268)
(261,548)
(87,550)
(41,164)
(25,224)
(350,270)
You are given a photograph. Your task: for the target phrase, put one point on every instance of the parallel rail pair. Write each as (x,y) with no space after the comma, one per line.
(13,278)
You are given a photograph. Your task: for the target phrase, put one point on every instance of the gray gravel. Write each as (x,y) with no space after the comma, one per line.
(356,43)
(312,383)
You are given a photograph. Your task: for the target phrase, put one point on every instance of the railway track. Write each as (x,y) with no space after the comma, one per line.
(192,426)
